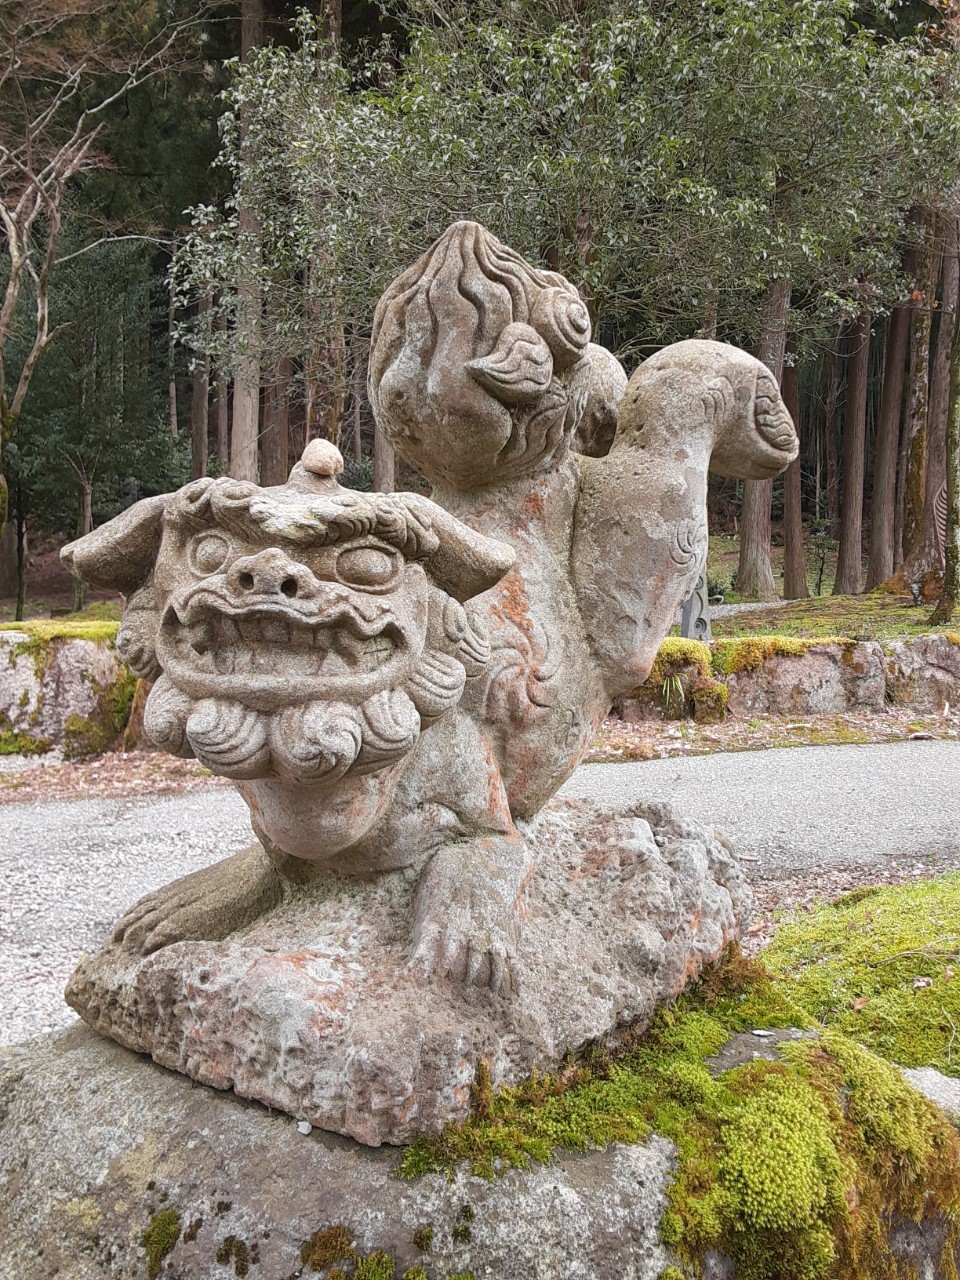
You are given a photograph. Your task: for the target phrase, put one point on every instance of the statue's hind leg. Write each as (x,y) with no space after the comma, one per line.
(204,906)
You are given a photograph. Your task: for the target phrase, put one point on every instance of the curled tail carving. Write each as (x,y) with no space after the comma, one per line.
(641,524)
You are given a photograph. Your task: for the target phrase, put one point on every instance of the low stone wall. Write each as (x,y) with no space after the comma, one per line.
(764,675)
(61,687)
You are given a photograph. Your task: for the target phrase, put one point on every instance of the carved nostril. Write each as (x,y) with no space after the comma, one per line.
(289,586)
(246,581)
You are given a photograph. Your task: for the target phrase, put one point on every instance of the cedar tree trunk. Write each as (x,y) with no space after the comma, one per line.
(794,553)
(246,387)
(199,411)
(849,579)
(924,563)
(951,576)
(754,569)
(884,499)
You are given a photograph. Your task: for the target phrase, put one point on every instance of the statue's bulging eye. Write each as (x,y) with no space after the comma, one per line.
(366,566)
(208,552)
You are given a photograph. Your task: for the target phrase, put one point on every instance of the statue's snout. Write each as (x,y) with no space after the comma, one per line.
(270,573)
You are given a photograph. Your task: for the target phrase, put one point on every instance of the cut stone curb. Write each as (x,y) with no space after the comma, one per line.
(98,1141)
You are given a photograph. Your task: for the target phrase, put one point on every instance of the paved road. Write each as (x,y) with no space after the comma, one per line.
(69,869)
(800,807)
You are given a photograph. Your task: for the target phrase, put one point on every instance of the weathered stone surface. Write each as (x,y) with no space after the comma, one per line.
(52,692)
(941,1089)
(825,679)
(398,685)
(96,1141)
(316,1009)
(924,672)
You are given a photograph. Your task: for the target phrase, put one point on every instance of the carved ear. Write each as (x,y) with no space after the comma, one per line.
(120,554)
(465,562)
(518,369)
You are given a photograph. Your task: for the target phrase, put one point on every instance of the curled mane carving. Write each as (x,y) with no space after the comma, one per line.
(478,364)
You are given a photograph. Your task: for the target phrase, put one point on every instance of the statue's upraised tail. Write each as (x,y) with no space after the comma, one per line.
(641,528)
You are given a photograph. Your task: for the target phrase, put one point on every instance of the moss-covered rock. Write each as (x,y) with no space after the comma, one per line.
(681,666)
(793,1168)
(780,674)
(61,685)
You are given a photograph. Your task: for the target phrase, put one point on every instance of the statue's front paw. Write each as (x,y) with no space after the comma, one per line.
(467,951)
(467,916)
(205,906)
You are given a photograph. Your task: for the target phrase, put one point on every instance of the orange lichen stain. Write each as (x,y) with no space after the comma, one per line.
(512,605)
(533,505)
(497,805)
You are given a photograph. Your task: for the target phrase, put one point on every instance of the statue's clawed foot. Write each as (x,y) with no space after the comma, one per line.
(205,906)
(468,912)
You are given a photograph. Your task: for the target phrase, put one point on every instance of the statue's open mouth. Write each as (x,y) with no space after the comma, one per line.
(267,640)
(210,648)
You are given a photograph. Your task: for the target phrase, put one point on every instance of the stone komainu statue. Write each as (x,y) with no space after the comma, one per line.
(400,684)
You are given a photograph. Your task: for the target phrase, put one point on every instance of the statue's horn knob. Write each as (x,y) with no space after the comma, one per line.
(322,458)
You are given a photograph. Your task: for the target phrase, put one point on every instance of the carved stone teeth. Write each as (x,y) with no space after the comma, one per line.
(200,635)
(275,630)
(334,664)
(225,660)
(248,625)
(349,647)
(226,631)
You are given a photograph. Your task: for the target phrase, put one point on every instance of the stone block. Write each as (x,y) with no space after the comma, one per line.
(316,1009)
(60,693)
(924,673)
(825,679)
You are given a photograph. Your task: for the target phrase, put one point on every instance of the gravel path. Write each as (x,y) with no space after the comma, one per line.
(70,868)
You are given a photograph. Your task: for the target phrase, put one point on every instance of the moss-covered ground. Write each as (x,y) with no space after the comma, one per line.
(875,616)
(790,1166)
(882,965)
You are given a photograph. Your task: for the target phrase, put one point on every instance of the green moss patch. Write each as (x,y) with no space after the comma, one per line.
(749,653)
(17,742)
(792,1167)
(86,735)
(680,682)
(883,966)
(162,1233)
(76,627)
(676,653)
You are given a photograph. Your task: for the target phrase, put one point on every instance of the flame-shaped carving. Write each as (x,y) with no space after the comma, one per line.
(136,641)
(165,717)
(518,369)
(436,685)
(319,740)
(772,416)
(391,730)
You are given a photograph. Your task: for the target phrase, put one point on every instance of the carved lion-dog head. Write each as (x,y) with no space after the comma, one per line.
(300,632)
